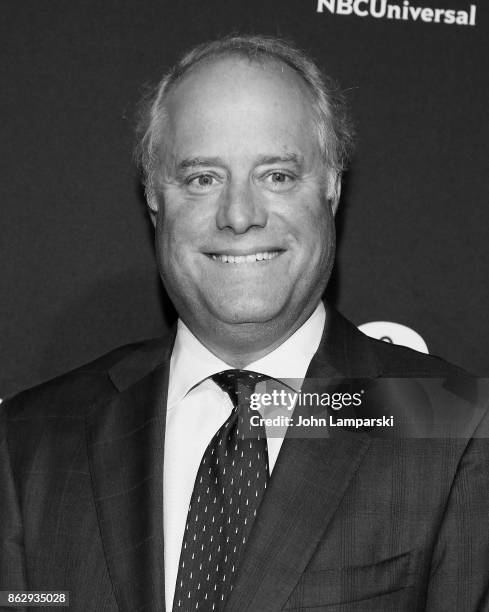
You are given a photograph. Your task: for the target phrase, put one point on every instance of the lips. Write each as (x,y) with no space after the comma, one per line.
(229,258)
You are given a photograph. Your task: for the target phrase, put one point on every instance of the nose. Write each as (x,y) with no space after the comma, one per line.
(241,209)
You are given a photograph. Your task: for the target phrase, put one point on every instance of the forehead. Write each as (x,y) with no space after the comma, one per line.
(240,101)
(232,71)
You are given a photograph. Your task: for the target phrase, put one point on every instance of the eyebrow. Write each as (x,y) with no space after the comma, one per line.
(193,162)
(280,159)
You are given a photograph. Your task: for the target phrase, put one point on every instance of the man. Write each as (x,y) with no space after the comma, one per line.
(105,470)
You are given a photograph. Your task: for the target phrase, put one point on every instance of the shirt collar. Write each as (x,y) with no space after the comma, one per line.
(191,362)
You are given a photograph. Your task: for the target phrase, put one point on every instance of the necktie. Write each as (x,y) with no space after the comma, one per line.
(228,489)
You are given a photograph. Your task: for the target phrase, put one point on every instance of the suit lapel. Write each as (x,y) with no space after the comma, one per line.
(125,447)
(306,487)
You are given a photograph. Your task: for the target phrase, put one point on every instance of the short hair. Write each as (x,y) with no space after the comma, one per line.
(334,127)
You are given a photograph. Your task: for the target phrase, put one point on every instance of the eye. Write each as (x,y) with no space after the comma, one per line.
(280,181)
(279,177)
(201,182)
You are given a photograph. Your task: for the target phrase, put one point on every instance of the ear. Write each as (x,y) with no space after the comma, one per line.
(334,189)
(153,205)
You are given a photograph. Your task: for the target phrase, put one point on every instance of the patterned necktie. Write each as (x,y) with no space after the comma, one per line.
(228,489)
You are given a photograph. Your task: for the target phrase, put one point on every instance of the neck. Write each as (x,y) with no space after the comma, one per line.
(238,345)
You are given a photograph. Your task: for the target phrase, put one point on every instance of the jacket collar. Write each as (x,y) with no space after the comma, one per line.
(343,351)
(144,359)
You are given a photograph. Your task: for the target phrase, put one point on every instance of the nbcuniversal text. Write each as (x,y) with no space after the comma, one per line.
(404,11)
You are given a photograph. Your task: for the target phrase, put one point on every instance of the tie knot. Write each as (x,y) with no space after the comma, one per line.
(238,384)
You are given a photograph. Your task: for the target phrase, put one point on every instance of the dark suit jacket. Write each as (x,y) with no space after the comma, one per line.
(352,522)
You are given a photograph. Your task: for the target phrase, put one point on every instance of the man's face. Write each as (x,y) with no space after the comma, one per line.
(245,233)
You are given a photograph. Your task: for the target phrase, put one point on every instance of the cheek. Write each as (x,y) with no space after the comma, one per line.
(184,220)
(168,237)
(174,227)
(315,229)
(179,230)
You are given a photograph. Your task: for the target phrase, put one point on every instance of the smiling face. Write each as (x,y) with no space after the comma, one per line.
(244,232)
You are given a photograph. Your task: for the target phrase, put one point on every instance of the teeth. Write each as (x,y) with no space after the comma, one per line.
(238,259)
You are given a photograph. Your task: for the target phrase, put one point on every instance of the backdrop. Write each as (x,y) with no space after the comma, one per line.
(77,269)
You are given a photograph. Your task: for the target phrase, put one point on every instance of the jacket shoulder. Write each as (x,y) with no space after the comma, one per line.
(400,361)
(356,354)
(71,393)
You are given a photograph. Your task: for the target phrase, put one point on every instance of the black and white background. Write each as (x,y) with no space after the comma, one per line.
(77,271)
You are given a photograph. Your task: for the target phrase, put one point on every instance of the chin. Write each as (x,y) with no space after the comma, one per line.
(248,311)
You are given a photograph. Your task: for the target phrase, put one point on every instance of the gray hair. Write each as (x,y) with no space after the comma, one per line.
(335,131)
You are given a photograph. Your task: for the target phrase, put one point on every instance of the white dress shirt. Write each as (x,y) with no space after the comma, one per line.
(196,409)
